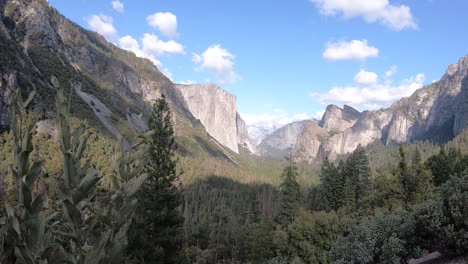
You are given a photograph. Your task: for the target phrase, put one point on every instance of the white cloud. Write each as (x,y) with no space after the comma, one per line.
(131,44)
(218,61)
(165,22)
(372,95)
(118,6)
(366,78)
(103,25)
(151,47)
(353,50)
(393,69)
(395,17)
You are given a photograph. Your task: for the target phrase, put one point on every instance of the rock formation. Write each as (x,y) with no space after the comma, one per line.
(437,112)
(217,111)
(279,143)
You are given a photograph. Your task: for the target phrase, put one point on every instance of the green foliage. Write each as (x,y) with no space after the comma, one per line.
(332,182)
(311,236)
(454,195)
(289,196)
(23,235)
(445,164)
(441,223)
(82,227)
(357,173)
(85,231)
(381,239)
(257,245)
(158,219)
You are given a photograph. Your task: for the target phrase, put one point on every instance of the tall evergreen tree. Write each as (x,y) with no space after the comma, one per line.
(289,196)
(156,234)
(357,173)
(332,185)
(422,179)
(406,179)
(440,167)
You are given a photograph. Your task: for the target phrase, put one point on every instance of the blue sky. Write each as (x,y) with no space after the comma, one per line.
(286,60)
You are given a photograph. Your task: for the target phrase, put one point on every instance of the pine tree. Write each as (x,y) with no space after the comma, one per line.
(422,179)
(289,196)
(357,173)
(406,179)
(332,185)
(156,233)
(440,167)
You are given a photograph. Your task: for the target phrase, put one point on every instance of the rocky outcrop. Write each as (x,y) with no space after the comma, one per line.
(217,111)
(437,112)
(280,143)
(309,144)
(8,84)
(243,139)
(339,119)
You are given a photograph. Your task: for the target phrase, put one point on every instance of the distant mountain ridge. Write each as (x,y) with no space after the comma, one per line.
(437,112)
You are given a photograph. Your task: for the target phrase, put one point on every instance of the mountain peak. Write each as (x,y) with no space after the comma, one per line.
(460,67)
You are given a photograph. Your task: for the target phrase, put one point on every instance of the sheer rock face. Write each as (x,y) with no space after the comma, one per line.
(243,139)
(437,112)
(217,111)
(279,143)
(309,144)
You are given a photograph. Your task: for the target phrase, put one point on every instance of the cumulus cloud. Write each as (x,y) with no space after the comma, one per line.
(366,78)
(103,25)
(372,95)
(395,17)
(165,22)
(118,6)
(352,50)
(218,61)
(151,47)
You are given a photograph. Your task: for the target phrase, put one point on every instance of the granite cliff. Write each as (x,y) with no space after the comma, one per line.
(437,112)
(280,142)
(217,111)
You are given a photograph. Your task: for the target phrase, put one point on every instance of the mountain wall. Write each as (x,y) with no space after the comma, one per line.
(437,112)
(280,143)
(217,111)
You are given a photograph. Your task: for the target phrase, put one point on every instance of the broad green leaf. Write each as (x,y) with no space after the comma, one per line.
(34,173)
(72,214)
(86,184)
(135,184)
(30,98)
